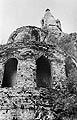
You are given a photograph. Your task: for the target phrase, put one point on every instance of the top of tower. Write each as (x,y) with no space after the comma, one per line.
(48,13)
(48,19)
(47,10)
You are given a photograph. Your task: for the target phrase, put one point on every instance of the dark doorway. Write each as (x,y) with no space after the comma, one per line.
(43,72)
(10,70)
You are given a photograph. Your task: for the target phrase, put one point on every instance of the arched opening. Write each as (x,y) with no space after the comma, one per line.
(10,70)
(43,72)
(68,66)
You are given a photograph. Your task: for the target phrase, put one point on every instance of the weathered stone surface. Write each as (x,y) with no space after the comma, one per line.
(48,19)
(24,100)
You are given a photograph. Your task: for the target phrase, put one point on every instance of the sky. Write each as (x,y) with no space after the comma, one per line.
(17,13)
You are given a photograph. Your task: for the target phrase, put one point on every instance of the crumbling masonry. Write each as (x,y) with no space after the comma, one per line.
(32,58)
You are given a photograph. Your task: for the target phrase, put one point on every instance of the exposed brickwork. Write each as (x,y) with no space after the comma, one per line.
(23,101)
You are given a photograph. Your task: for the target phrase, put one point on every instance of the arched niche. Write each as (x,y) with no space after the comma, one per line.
(43,72)
(10,70)
(69,65)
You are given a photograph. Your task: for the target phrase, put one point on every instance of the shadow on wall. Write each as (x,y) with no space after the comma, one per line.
(10,70)
(43,72)
(69,65)
(35,34)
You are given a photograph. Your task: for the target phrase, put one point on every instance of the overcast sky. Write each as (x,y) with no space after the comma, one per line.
(17,13)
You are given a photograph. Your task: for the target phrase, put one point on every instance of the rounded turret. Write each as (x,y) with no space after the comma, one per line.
(48,19)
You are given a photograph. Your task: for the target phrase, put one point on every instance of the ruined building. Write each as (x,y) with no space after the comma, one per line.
(32,58)
(30,54)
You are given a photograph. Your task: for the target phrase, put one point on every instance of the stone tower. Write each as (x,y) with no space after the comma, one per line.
(48,19)
(32,58)
(24,48)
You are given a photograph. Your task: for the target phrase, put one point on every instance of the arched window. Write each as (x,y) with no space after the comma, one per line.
(43,72)
(10,70)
